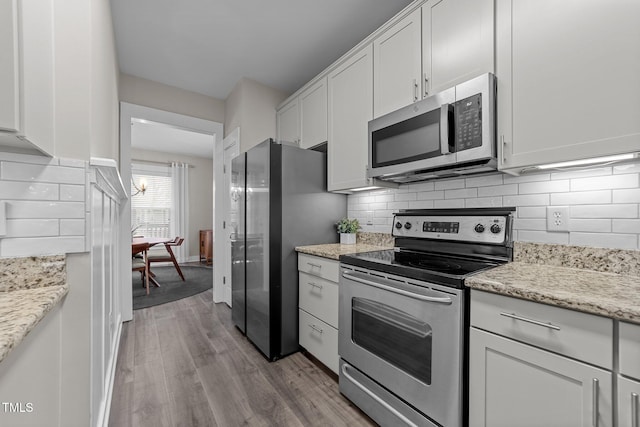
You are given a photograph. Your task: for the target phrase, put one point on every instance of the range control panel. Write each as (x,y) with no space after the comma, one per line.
(480,229)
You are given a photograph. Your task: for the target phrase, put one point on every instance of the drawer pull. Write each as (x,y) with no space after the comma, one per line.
(314,265)
(535,322)
(315,285)
(634,410)
(596,392)
(315,328)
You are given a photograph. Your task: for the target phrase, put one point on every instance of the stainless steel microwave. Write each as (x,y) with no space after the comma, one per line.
(447,134)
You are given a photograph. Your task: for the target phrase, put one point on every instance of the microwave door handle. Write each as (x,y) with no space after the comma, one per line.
(444,129)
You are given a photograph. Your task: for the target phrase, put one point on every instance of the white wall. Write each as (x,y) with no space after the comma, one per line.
(604,203)
(200,195)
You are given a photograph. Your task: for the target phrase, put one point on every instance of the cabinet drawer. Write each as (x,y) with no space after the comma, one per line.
(630,350)
(579,335)
(319,297)
(320,267)
(319,339)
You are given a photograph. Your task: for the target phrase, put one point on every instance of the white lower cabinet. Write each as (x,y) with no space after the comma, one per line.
(514,381)
(318,308)
(628,402)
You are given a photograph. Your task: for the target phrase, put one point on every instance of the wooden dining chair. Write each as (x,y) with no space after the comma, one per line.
(141,264)
(168,256)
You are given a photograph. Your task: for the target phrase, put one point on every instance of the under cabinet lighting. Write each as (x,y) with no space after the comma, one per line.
(588,161)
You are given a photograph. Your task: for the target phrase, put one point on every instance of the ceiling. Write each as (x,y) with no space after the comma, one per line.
(154,136)
(206,46)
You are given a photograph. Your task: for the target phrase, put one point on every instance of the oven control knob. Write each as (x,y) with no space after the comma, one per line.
(407,225)
(495,229)
(479,228)
(398,225)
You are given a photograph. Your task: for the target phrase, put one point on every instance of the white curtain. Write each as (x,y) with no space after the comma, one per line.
(180,217)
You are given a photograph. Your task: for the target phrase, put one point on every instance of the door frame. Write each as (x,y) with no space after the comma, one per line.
(127,113)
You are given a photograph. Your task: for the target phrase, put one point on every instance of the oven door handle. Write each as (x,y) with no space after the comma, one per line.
(375,397)
(443,300)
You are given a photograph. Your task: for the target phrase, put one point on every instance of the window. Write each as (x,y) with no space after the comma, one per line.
(151,211)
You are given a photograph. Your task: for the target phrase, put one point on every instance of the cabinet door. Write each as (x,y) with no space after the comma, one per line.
(628,402)
(516,385)
(313,115)
(396,66)
(550,58)
(9,62)
(288,121)
(457,43)
(350,109)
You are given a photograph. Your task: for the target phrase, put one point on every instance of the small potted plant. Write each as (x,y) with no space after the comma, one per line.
(347,229)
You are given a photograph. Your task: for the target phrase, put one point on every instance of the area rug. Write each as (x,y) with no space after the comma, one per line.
(172,288)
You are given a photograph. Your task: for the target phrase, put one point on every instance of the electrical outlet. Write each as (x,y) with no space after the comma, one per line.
(558,218)
(369,217)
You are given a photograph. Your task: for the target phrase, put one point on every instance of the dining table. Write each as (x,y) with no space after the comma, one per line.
(147,242)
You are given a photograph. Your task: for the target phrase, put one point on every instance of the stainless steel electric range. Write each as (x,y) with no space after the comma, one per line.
(403,314)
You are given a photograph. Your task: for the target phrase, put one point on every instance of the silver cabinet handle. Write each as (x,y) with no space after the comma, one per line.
(535,322)
(426,85)
(315,285)
(315,328)
(372,395)
(444,129)
(444,300)
(634,410)
(314,265)
(415,90)
(596,393)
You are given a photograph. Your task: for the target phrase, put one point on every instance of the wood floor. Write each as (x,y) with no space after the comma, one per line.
(185,364)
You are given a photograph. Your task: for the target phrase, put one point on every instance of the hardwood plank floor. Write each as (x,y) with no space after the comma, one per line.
(185,364)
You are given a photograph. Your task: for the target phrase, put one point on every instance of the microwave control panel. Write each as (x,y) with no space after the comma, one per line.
(468,122)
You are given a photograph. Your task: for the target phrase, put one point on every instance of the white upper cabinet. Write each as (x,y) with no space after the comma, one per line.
(457,42)
(313,114)
(397,66)
(567,75)
(287,121)
(350,109)
(26,75)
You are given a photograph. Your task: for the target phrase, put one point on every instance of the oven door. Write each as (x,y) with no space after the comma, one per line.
(407,336)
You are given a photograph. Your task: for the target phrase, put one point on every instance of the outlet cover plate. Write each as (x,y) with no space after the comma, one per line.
(558,218)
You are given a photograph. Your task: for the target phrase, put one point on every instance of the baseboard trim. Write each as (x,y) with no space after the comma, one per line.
(103,418)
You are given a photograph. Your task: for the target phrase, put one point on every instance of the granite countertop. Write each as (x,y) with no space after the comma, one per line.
(29,289)
(535,277)
(334,250)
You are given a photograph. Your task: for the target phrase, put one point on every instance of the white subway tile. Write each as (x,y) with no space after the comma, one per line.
(452,203)
(377,206)
(20,247)
(29,209)
(75,163)
(626,196)
(590,225)
(430,195)
(403,197)
(42,173)
(449,184)
(421,204)
(498,190)
(531,212)
(626,226)
(384,198)
(605,240)
(381,229)
(72,193)
(360,207)
(510,179)
(28,158)
(398,205)
(383,213)
(526,200)
(627,168)
(16,190)
(581,198)
(483,181)
(72,227)
(367,199)
(382,221)
(483,202)
(32,228)
(421,186)
(605,182)
(583,173)
(543,237)
(530,224)
(543,187)
(604,211)
(463,193)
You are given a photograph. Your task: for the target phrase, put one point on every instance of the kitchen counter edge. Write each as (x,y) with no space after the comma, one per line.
(334,250)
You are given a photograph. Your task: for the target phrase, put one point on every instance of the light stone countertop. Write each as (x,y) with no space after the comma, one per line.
(29,289)
(334,250)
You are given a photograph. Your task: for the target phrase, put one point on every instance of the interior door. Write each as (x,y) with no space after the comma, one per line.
(231,146)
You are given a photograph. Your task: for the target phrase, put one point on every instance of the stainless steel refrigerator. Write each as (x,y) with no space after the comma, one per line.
(280,202)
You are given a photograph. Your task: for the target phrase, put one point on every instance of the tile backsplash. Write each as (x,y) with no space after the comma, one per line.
(604,203)
(45,205)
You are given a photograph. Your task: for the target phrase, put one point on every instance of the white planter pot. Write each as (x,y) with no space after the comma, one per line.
(347,238)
